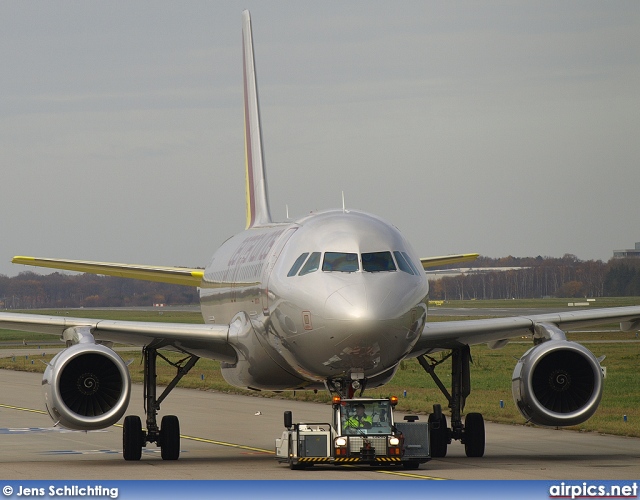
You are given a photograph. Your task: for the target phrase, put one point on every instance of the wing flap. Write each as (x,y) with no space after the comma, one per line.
(203,340)
(162,274)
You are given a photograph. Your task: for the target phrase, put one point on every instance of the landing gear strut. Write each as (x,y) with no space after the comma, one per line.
(345,387)
(471,433)
(167,436)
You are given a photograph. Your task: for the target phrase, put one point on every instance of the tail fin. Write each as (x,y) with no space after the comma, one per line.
(256,180)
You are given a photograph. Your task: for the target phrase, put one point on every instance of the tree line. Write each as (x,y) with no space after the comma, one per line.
(29,290)
(538,277)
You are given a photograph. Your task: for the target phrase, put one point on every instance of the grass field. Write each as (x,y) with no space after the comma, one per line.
(490,372)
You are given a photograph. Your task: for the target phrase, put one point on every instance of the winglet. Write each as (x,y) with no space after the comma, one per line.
(256,180)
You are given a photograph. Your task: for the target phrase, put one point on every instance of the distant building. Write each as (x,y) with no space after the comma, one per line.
(628,254)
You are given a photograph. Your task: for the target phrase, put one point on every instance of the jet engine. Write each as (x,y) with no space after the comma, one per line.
(557,383)
(86,387)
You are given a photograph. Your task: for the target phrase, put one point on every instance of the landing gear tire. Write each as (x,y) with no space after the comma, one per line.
(438,435)
(132,438)
(170,437)
(474,438)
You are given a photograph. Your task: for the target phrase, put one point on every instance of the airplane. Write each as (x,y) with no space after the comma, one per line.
(333,301)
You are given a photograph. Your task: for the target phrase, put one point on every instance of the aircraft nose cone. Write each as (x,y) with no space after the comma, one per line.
(359,302)
(348,302)
(367,326)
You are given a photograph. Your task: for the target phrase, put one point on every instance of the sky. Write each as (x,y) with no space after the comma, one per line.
(503,128)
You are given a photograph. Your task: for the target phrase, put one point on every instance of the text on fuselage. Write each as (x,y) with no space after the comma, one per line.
(254,248)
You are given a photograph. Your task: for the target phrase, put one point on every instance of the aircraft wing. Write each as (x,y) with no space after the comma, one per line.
(447,259)
(202,340)
(496,331)
(162,274)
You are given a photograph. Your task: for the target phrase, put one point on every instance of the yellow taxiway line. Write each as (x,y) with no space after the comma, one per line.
(243,447)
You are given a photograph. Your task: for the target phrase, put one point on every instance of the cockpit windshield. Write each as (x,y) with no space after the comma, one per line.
(365,417)
(377,261)
(404,263)
(312,264)
(342,262)
(297,264)
(351,262)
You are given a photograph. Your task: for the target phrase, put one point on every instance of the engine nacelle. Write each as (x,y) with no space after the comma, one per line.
(557,383)
(86,387)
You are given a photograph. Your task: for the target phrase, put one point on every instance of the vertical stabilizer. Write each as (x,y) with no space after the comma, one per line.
(256,180)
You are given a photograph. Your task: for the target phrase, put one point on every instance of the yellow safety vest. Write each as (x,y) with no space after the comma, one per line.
(356,421)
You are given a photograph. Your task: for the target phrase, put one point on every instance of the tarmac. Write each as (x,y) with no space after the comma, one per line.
(232,437)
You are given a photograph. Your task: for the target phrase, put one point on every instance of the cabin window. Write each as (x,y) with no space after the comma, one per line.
(297,264)
(376,262)
(311,265)
(402,263)
(340,262)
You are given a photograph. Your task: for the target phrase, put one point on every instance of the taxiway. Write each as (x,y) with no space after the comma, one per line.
(232,437)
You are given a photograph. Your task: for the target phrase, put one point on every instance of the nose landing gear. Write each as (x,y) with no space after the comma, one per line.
(346,387)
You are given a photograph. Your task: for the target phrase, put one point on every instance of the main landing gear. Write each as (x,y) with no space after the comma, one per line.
(167,436)
(471,433)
